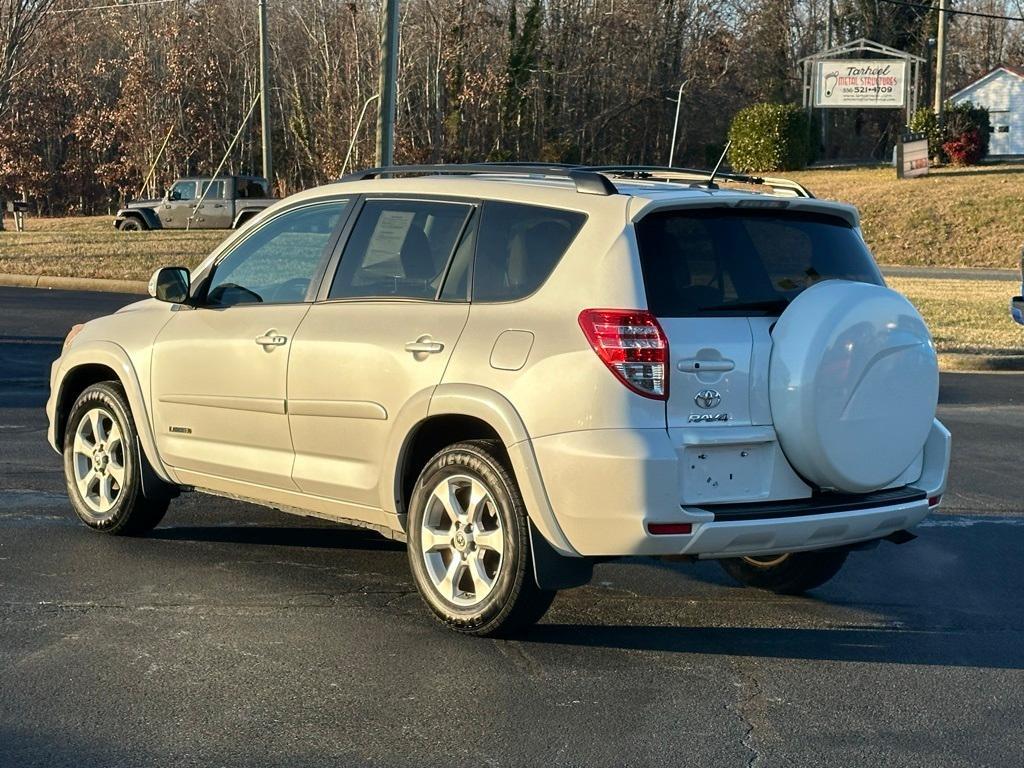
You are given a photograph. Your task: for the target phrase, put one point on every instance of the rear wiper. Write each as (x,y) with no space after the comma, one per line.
(767,306)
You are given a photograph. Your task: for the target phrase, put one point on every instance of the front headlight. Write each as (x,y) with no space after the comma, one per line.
(75,330)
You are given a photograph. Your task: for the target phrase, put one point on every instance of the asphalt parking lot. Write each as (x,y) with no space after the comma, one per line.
(236,636)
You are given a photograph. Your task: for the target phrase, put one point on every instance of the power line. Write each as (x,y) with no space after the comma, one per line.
(85,8)
(979,14)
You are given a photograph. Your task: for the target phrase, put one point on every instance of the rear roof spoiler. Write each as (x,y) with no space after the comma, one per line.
(693,176)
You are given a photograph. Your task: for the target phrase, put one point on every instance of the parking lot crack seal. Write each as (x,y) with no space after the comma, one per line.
(749,696)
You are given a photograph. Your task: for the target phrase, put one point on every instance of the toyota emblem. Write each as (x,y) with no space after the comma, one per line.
(707,398)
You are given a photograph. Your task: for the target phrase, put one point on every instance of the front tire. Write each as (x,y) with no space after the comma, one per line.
(469,543)
(132,224)
(792,573)
(102,465)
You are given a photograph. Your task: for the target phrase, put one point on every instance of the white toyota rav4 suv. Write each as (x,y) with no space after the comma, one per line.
(520,370)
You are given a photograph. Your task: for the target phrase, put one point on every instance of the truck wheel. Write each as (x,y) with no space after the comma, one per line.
(132,224)
(469,543)
(791,573)
(101,465)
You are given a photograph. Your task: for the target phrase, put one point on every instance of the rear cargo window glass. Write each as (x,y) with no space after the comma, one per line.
(519,246)
(735,261)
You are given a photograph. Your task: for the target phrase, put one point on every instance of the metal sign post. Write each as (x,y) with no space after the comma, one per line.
(887,78)
(861,74)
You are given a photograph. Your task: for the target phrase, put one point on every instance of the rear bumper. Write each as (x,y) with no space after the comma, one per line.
(607,486)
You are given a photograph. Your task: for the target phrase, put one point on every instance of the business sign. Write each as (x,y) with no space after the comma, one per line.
(912,156)
(860,83)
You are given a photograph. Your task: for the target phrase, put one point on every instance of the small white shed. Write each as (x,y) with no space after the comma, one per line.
(1001,91)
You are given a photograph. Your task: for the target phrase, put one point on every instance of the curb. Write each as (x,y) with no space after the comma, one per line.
(74,283)
(968,362)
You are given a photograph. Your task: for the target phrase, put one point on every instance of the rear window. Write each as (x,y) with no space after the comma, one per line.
(518,248)
(734,261)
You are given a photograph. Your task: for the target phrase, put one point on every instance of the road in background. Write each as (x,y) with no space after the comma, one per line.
(239,636)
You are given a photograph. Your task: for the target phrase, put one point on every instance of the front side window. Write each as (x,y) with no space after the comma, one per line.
(519,246)
(399,248)
(183,190)
(276,264)
(744,261)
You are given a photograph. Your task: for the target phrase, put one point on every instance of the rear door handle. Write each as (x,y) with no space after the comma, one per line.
(696,365)
(271,339)
(424,347)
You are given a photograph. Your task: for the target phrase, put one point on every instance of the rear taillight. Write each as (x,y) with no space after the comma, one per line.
(632,345)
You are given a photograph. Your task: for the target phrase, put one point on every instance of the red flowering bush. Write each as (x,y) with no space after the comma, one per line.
(965,149)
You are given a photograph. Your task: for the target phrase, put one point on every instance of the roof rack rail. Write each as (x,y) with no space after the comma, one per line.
(671,173)
(587,181)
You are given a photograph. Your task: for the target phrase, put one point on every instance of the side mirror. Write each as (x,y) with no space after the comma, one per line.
(172,194)
(170,284)
(1017,309)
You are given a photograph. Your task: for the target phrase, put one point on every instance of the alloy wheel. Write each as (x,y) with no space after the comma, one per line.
(99,461)
(462,540)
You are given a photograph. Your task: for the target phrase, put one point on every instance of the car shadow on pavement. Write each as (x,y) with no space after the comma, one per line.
(952,648)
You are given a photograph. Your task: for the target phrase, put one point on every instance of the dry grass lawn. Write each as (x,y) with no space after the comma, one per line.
(955,218)
(970,217)
(91,247)
(966,315)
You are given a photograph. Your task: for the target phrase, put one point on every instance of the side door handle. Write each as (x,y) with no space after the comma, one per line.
(424,346)
(271,339)
(696,365)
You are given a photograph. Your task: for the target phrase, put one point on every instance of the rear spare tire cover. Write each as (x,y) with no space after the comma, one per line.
(854,382)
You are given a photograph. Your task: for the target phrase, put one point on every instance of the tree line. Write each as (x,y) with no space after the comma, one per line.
(90,95)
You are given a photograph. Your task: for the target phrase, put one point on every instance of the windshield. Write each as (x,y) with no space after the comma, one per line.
(722,261)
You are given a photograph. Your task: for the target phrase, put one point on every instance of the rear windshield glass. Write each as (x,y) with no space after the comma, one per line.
(734,261)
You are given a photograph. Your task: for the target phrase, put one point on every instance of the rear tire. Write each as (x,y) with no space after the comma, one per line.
(469,543)
(788,574)
(102,465)
(132,224)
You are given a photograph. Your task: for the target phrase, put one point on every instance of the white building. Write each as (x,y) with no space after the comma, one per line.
(1001,91)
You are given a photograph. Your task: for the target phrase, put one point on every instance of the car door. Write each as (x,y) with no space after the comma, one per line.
(219,368)
(215,211)
(378,342)
(178,205)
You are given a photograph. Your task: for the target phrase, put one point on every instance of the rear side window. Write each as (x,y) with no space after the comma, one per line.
(518,247)
(742,261)
(399,248)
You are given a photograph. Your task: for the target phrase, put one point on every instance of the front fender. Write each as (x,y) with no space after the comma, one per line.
(114,357)
(148,215)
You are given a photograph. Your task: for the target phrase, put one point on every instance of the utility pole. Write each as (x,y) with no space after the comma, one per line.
(268,154)
(828,25)
(828,46)
(388,77)
(940,63)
